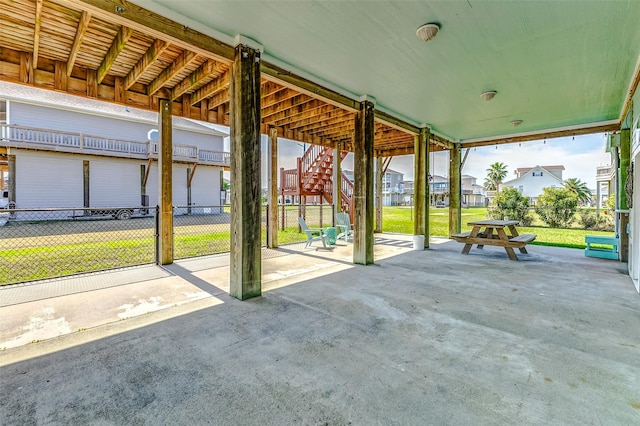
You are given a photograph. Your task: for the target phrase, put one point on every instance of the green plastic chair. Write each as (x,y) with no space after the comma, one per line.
(313,234)
(343,223)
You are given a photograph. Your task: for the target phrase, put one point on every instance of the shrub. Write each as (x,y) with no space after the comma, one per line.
(510,203)
(556,207)
(588,219)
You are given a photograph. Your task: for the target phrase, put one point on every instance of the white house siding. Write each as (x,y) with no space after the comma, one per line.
(532,186)
(205,187)
(48,180)
(114,182)
(180,185)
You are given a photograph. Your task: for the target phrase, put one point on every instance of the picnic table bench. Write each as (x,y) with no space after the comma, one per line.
(492,233)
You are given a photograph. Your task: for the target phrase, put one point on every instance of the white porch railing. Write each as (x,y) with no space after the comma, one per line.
(54,140)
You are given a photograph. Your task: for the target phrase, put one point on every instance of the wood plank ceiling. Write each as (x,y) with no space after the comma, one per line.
(84,51)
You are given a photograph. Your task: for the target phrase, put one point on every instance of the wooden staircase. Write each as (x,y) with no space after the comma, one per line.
(314,177)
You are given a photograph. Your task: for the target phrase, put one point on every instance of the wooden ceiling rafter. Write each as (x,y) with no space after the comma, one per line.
(36,33)
(118,44)
(289,104)
(194,80)
(218,99)
(152,54)
(83,24)
(278,97)
(313,107)
(330,114)
(323,122)
(171,71)
(211,88)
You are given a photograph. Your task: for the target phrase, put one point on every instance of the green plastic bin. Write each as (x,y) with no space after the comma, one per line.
(332,235)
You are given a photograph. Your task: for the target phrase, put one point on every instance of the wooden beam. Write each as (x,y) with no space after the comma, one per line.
(245,258)
(26,73)
(396,123)
(206,70)
(286,105)
(378,192)
(363,208)
(118,90)
(211,88)
(218,99)
(165,174)
(171,71)
(36,33)
(545,135)
(92,83)
(454,190)
(119,42)
(385,165)
(129,14)
(154,51)
(272,189)
(311,108)
(146,172)
(286,78)
(192,174)
(83,24)
(60,76)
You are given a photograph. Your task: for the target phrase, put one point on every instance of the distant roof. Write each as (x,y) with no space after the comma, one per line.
(548,168)
(51,99)
(394,171)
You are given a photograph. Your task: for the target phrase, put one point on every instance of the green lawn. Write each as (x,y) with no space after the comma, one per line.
(400,220)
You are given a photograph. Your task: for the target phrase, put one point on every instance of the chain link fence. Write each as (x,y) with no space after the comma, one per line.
(315,216)
(47,243)
(205,230)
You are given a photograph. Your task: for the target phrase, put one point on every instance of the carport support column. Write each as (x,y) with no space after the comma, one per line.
(379,161)
(363,185)
(337,179)
(625,163)
(246,262)
(272,231)
(420,188)
(454,190)
(165,168)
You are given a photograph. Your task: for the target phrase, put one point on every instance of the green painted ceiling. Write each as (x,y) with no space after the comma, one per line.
(554,64)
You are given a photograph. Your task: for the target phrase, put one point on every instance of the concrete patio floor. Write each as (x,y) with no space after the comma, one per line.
(422,337)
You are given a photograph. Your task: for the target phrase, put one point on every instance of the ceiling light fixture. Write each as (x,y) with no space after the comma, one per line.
(488,95)
(427,31)
(516,123)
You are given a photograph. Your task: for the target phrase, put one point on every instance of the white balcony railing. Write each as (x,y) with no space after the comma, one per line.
(54,140)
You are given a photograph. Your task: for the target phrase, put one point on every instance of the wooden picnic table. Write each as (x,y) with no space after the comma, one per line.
(492,233)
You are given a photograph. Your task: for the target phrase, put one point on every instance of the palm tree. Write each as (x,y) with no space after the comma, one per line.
(579,188)
(495,174)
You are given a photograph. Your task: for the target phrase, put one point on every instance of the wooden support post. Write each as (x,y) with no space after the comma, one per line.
(454,190)
(11,165)
(246,262)
(337,180)
(379,175)
(92,83)
(425,135)
(27,74)
(363,189)
(625,163)
(272,189)
(86,183)
(420,185)
(189,174)
(165,169)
